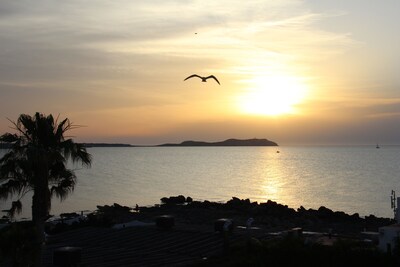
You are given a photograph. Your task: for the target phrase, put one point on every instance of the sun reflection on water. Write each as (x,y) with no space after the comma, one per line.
(277,181)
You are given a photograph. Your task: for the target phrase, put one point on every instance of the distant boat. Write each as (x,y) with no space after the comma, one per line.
(377,146)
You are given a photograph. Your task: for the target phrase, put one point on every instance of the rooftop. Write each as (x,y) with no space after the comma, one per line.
(139,245)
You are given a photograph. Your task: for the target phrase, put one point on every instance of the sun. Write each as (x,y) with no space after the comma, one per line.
(272,95)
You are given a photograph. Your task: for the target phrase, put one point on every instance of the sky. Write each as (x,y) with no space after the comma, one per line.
(309,72)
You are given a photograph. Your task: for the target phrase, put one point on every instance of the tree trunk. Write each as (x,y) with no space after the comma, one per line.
(40,211)
(39,215)
(39,228)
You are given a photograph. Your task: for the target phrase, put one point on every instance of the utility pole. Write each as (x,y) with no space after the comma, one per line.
(393,204)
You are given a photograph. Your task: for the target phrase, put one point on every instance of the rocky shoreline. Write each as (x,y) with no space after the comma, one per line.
(269,216)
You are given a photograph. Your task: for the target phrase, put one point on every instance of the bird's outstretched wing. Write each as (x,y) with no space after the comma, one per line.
(213,77)
(193,75)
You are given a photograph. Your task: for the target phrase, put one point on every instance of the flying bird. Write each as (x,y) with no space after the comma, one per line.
(203,79)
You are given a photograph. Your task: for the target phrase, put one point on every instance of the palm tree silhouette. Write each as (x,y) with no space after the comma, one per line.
(37,162)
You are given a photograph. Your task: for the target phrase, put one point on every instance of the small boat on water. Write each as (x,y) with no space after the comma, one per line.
(377,146)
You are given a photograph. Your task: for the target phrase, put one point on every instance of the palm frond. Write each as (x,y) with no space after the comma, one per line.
(9,138)
(59,171)
(26,126)
(11,187)
(76,152)
(63,188)
(16,208)
(62,127)
(82,155)
(14,168)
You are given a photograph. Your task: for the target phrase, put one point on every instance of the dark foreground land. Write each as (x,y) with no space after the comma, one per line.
(183,232)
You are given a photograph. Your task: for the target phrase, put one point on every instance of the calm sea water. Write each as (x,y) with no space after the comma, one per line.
(350,179)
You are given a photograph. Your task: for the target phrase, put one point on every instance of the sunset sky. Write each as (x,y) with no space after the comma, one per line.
(296,72)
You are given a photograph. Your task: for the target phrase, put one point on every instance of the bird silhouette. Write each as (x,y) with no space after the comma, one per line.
(203,79)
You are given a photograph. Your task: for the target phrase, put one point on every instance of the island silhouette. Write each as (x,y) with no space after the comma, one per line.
(227,142)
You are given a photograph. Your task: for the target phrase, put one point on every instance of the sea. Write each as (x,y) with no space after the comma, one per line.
(352,179)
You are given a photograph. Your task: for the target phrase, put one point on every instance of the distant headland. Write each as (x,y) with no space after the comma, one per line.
(228,142)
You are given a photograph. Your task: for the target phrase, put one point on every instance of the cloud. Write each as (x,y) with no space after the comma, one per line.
(107,56)
(227,31)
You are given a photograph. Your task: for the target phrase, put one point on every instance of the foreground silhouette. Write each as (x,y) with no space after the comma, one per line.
(37,161)
(196,239)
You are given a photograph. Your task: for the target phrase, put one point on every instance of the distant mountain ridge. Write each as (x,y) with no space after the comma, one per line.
(228,142)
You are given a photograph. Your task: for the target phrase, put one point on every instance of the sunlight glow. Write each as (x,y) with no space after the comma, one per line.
(272,95)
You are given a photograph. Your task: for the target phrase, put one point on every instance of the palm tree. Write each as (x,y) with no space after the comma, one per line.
(37,162)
